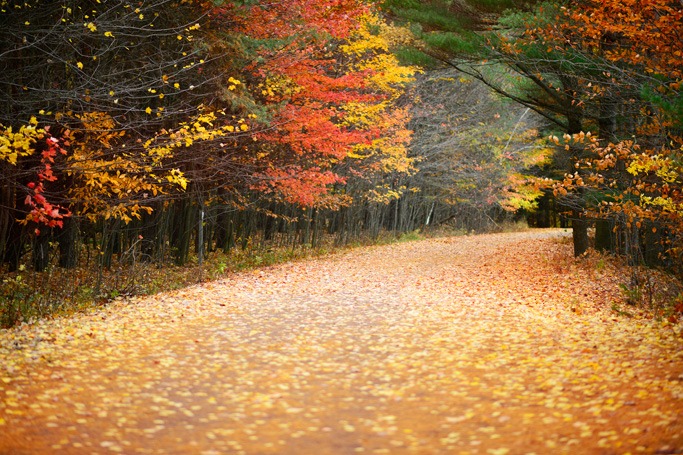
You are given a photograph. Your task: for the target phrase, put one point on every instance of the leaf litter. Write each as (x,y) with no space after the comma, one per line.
(496,344)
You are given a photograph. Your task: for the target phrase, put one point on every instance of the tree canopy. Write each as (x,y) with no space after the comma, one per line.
(603,70)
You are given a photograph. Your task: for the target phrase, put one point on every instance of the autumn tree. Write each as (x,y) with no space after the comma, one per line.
(607,68)
(631,171)
(103,79)
(160,113)
(329,89)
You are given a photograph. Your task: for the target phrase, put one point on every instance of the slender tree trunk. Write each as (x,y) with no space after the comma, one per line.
(41,252)
(183,220)
(67,239)
(608,132)
(315,220)
(580,234)
(579,223)
(200,234)
(15,246)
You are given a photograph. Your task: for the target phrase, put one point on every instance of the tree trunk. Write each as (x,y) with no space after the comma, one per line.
(200,234)
(604,238)
(67,237)
(15,246)
(579,223)
(579,234)
(183,220)
(41,252)
(314,240)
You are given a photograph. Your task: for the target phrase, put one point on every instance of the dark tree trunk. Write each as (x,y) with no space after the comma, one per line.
(151,232)
(269,228)
(41,252)
(604,238)
(579,234)
(315,216)
(541,219)
(67,239)
(15,246)
(183,223)
(224,231)
(110,242)
(579,223)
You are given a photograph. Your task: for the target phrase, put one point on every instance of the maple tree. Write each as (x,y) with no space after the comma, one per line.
(322,108)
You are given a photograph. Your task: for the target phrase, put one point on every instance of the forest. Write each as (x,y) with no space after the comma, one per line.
(341,227)
(141,138)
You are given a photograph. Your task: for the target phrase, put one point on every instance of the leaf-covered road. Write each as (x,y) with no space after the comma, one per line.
(499,344)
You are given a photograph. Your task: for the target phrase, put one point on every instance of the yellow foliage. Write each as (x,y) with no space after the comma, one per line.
(279,85)
(523,192)
(176,177)
(14,145)
(375,34)
(200,129)
(363,114)
(370,45)
(113,183)
(363,39)
(388,75)
(662,166)
(663,203)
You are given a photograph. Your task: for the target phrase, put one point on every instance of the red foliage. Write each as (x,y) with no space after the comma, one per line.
(298,76)
(285,19)
(42,211)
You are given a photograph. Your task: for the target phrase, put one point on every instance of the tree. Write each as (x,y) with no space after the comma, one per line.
(636,185)
(327,83)
(575,63)
(149,115)
(477,153)
(95,82)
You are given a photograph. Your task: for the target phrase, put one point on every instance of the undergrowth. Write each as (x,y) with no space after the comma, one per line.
(26,295)
(641,288)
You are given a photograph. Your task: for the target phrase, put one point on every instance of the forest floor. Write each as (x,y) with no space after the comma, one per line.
(495,344)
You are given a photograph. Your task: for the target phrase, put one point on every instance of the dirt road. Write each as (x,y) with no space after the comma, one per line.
(497,344)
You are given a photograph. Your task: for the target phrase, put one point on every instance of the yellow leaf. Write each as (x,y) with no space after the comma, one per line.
(79,65)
